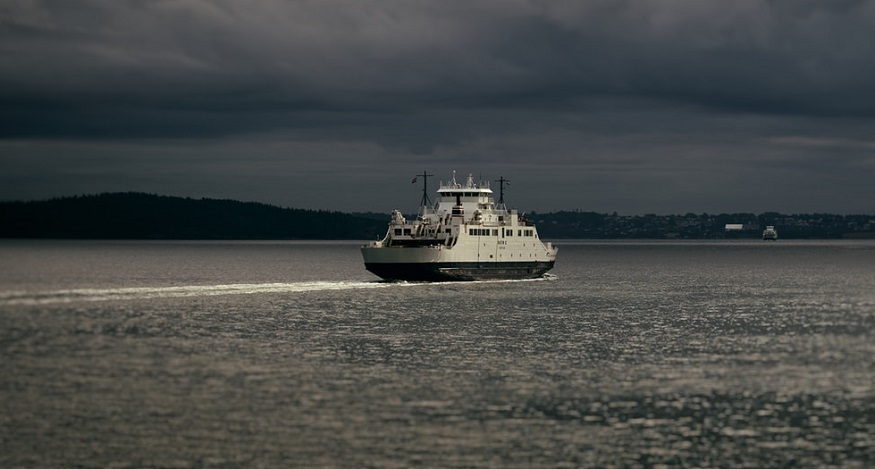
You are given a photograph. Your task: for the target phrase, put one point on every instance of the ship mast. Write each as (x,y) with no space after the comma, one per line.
(501,181)
(426,202)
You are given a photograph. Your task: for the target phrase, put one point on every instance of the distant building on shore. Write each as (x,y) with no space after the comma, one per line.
(741,227)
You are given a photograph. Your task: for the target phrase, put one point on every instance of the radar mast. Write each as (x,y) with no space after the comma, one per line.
(426,202)
(501,182)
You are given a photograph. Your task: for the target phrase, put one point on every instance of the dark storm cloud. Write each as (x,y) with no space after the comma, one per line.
(219,67)
(639,93)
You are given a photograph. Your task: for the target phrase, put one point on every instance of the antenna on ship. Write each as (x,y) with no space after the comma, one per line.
(426,202)
(501,181)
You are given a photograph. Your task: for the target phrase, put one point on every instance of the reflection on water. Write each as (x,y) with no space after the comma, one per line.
(636,355)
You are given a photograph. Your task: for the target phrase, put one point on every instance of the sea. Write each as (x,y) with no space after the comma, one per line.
(199,354)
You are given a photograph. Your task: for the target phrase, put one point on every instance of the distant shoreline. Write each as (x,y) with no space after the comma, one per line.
(140,216)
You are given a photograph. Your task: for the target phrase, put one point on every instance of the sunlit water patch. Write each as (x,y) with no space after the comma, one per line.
(292,355)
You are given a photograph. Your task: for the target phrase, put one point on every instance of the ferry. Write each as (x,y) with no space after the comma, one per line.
(464,235)
(770,234)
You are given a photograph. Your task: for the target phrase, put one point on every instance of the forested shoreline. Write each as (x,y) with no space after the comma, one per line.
(133,215)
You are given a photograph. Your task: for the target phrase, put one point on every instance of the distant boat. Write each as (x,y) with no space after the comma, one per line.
(465,236)
(770,234)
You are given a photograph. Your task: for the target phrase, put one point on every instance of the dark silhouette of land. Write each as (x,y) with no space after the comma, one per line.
(144,216)
(591,225)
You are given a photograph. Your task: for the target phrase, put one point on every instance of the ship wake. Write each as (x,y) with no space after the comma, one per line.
(37,298)
(139,293)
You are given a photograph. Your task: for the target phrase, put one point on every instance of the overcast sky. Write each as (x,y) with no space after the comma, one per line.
(638,106)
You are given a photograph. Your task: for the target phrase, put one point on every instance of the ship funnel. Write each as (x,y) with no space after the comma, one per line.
(458,209)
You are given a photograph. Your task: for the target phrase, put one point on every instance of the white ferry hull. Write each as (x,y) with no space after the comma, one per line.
(465,237)
(417,264)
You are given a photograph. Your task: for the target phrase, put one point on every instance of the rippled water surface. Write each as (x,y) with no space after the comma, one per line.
(290,354)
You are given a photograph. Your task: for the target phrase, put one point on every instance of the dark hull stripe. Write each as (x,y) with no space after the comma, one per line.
(446,271)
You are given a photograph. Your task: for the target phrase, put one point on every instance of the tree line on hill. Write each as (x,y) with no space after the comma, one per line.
(591,225)
(145,216)
(134,215)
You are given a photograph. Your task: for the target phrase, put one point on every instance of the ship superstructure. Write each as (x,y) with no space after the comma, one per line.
(464,235)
